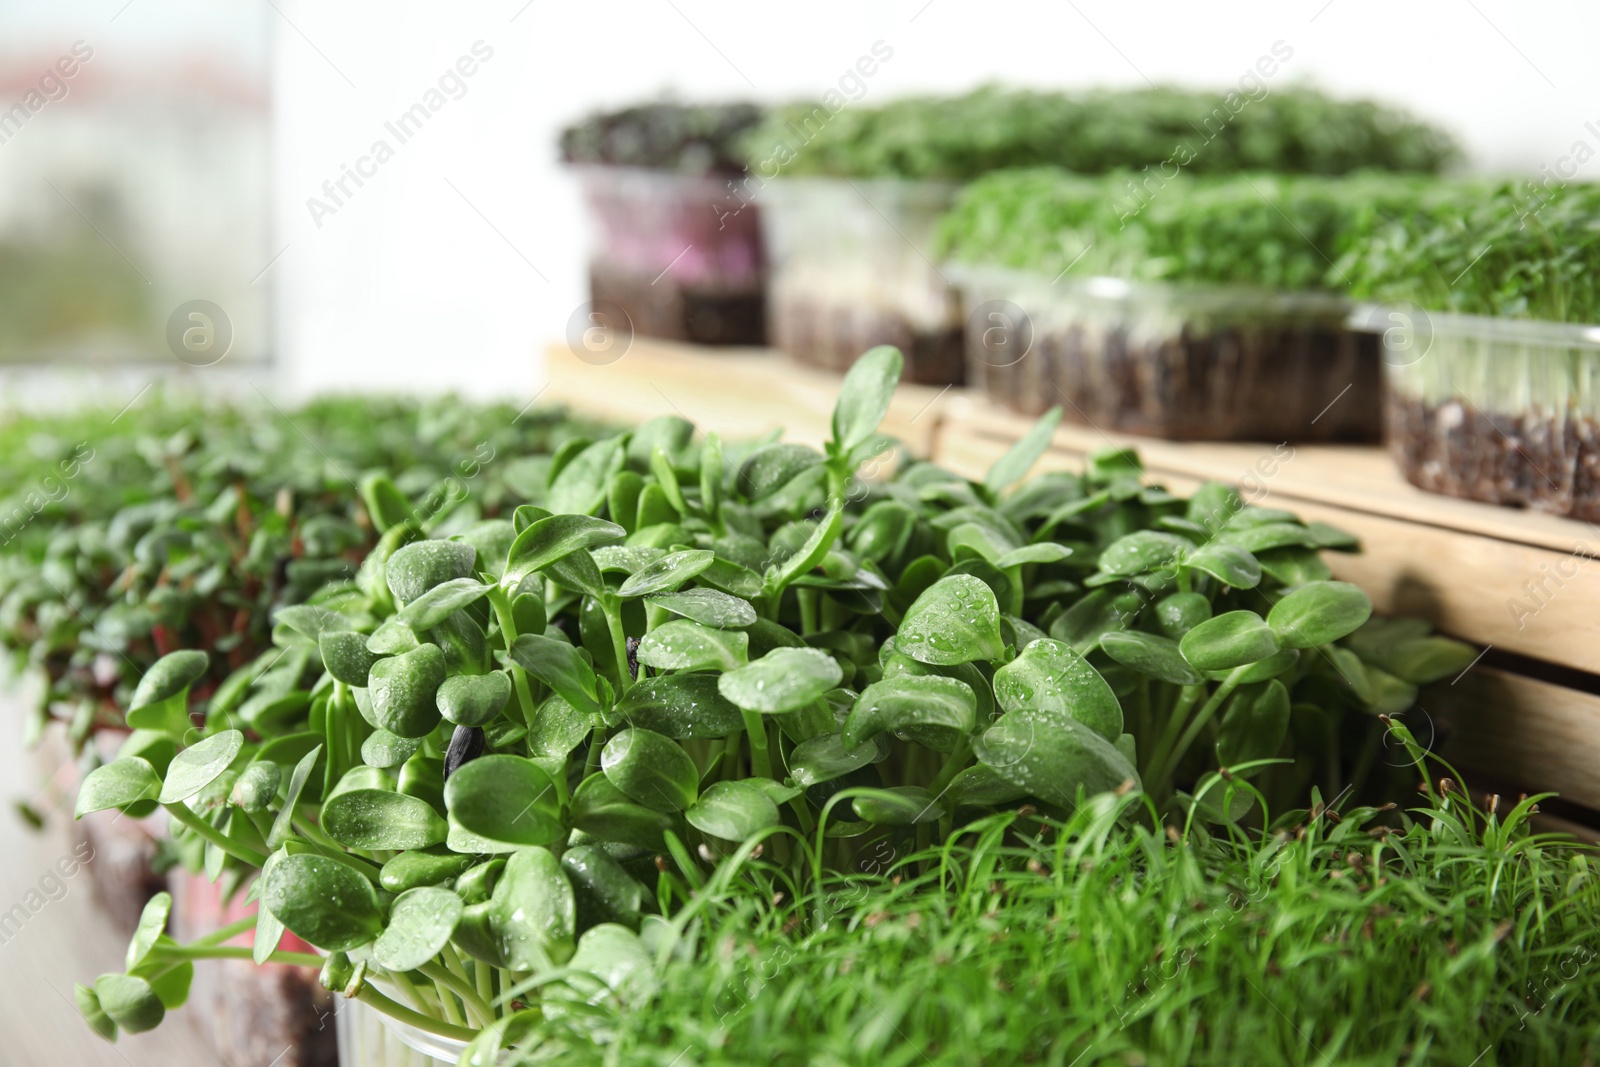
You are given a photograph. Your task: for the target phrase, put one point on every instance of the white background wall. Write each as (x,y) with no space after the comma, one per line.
(417,284)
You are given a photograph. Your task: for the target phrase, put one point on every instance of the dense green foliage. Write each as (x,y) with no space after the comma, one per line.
(1514,249)
(959,138)
(1249,229)
(496,750)
(1449,936)
(1465,245)
(171,525)
(688,138)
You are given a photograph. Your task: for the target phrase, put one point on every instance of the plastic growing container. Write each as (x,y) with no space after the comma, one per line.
(1183,362)
(1505,411)
(369,1038)
(851,269)
(676,253)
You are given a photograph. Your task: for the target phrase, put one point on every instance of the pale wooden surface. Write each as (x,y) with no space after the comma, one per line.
(739,393)
(67,941)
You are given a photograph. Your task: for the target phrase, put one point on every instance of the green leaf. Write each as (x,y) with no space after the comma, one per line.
(980,786)
(439,603)
(402,691)
(152,924)
(901,805)
(384,749)
(421,565)
(580,487)
(1051,680)
(667,479)
(1257,539)
(345,655)
(283,826)
(708,607)
(1052,757)
(93,1014)
(602,889)
(1152,656)
(381,819)
(604,812)
(1228,564)
(119,784)
(505,799)
(711,459)
(733,811)
(1229,640)
(416,868)
(682,645)
(311,620)
(386,505)
(808,555)
(1020,457)
(199,765)
(910,700)
(650,769)
(129,1002)
(558,665)
(680,706)
(420,924)
(557,729)
(473,699)
(1317,613)
(619,961)
(578,571)
(955,620)
(323,901)
(1141,552)
(1178,613)
(825,757)
(864,396)
(626,559)
(1254,723)
(549,539)
(782,680)
(1048,552)
(161,701)
(770,468)
(667,573)
(533,911)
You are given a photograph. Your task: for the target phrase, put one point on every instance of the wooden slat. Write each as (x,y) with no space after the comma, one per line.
(738,392)
(1543,737)
(1489,575)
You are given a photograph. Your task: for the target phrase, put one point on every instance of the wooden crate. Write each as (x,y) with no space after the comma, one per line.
(1500,578)
(1518,582)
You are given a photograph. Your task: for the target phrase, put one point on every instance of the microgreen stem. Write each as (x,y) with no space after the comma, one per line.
(235,952)
(370,996)
(242,853)
(756,728)
(953,765)
(225,933)
(1197,724)
(508,633)
(443,976)
(612,607)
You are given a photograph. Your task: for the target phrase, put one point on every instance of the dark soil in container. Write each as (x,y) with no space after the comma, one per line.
(833,336)
(667,309)
(1548,462)
(1294,382)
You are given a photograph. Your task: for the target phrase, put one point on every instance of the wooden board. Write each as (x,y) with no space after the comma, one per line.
(738,392)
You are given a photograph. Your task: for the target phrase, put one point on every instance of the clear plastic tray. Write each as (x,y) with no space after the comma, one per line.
(1506,411)
(1175,361)
(369,1038)
(852,268)
(677,253)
